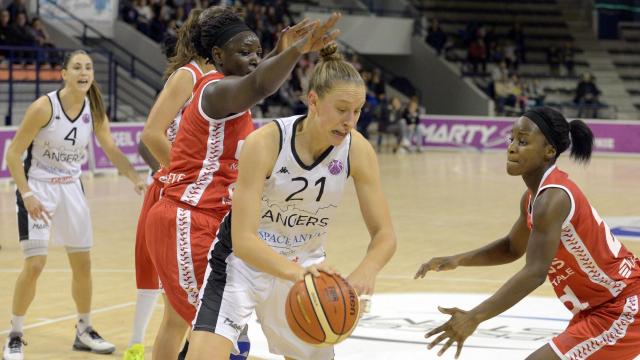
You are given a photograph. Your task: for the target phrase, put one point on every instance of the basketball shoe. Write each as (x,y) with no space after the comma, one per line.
(134,352)
(13,348)
(90,340)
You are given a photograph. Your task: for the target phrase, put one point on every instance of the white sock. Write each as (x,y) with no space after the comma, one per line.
(84,321)
(16,323)
(145,301)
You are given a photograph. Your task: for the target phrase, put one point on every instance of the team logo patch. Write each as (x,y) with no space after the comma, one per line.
(85,118)
(335,167)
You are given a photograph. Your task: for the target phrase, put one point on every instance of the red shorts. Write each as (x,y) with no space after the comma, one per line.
(609,331)
(146,275)
(182,238)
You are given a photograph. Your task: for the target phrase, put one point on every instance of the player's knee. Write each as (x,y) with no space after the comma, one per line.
(34,265)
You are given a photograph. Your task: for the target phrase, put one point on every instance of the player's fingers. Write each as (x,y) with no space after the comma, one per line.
(313,270)
(304,22)
(445,346)
(422,271)
(331,21)
(459,348)
(438,340)
(449,311)
(435,331)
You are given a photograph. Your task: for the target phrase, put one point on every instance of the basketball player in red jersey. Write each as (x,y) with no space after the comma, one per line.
(564,238)
(184,70)
(203,160)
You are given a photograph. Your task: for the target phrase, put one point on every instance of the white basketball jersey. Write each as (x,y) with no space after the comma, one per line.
(298,201)
(60,147)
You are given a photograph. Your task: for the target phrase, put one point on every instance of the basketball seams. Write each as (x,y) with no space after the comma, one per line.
(330,336)
(344,308)
(293,315)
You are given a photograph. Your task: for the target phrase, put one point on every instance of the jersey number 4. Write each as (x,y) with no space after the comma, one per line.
(71,136)
(305,184)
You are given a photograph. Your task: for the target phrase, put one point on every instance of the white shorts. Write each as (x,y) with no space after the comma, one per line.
(228,298)
(70,223)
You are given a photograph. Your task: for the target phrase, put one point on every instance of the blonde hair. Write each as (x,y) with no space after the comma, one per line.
(332,69)
(98,112)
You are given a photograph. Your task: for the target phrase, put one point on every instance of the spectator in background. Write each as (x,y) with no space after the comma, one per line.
(553,59)
(477,56)
(511,55)
(391,121)
(22,36)
(534,94)
(415,129)
(144,17)
(436,38)
(568,58)
(377,84)
(16,7)
(43,40)
(516,35)
(587,96)
(5,32)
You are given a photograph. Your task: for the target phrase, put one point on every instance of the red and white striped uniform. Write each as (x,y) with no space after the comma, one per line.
(146,275)
(596,278)
(196,196)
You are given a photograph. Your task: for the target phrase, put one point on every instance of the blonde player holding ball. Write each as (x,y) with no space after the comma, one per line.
(292,173)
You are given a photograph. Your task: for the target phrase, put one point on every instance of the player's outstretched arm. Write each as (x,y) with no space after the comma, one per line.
(375,212)
(103,134)
(550,211)
(502,251)
(171,99)
(257,158)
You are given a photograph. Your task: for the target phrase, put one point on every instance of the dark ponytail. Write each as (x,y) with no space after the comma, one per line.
(184,50)
(581,141)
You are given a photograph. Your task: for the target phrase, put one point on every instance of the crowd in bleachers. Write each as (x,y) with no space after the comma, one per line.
(497,59)
(16,29)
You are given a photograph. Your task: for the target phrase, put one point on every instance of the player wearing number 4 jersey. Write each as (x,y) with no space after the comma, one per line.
(564,239)
(55,133)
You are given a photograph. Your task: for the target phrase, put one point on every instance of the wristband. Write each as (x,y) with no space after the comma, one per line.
(26,195)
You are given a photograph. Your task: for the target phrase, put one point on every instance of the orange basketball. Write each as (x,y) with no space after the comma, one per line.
(322,310)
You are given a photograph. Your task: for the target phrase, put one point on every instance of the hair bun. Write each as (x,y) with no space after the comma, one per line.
(330,52)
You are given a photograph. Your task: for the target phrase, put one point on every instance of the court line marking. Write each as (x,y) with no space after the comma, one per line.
(73,316)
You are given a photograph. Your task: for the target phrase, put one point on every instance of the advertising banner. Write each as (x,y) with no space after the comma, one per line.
(482,133)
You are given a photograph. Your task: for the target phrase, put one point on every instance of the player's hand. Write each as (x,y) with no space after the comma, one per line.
(317,268)
(459,327)
(35,209)
(291,34)
(140,186)
(321,36)
(437,264)
(363,281)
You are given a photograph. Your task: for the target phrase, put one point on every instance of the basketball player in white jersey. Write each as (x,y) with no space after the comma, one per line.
(55,133)
(277,227)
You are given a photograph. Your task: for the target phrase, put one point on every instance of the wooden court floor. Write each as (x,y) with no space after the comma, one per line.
(441,203)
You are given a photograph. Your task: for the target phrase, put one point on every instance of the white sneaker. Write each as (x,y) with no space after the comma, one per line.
(90,340)
(13,348)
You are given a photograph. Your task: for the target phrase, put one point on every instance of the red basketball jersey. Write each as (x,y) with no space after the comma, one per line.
(204,157)
(172,130)
(591,266)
